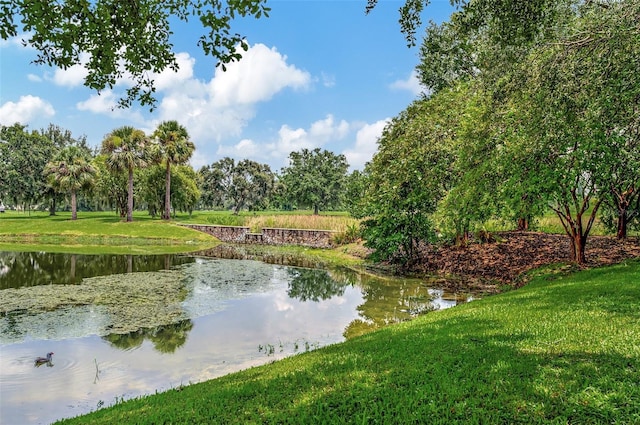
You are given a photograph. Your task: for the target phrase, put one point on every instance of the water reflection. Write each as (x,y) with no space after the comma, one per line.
(20,269)
(165,339)
(314,285)
(259,253)
(136,333)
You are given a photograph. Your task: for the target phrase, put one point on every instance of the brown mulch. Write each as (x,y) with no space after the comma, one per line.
(482,265)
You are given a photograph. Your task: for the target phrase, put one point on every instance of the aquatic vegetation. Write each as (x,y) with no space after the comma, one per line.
(118,304)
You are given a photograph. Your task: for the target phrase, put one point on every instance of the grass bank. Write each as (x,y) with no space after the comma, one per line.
(560,350)
(96,233)
(105,232)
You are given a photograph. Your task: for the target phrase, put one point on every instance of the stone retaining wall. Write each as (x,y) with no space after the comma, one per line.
(269,236)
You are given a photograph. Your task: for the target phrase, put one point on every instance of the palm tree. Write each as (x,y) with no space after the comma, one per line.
(126,149)
(174,148)
(70,170)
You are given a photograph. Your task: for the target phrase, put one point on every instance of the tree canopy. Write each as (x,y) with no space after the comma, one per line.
(315,178)
(174,148)
(70,170)
(548,121)
(114,39)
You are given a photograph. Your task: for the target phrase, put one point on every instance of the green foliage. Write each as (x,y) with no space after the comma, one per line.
(355,191)
(23,156)
(547,119)
(126,149)
(110,187)
(247,184)
(412,171)
(396,234)
(315,179)
(117,36)
(561,350)
(184,188)
(352,234)
(580,144)
(226,219)
(174,148)
(70,170)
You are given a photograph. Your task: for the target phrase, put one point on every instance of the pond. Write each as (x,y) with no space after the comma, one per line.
(124,326)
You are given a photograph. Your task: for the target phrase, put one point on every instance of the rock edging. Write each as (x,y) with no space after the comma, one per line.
(268,236)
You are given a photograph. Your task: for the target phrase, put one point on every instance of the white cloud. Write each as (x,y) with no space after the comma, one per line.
(319,134)
(17,41)
(74,75)
(34,78)
(287,140)
(170,78)
(260,74)
(411,84)
(326,130)
(223,106)
(106,103)
(244,149)
(103,103)
(366,144)
(27,108)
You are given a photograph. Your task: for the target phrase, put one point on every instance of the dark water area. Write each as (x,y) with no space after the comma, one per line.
(215,316)
(20,269)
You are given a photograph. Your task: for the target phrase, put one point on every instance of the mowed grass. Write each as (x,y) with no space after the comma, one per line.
(562,350)
(97,232)
(105,232)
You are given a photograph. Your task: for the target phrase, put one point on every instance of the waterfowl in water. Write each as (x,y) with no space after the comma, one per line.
(42,360)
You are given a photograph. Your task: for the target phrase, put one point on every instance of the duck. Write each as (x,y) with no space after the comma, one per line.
(42,360)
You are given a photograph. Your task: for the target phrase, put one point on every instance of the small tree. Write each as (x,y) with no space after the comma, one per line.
(71,171)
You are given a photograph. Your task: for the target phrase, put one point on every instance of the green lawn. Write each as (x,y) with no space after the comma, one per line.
(105,232)
(562,350)
(97,232)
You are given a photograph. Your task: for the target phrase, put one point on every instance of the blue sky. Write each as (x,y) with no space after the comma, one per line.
(317,74)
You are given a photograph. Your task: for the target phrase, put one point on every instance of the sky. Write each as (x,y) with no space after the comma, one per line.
(318,74)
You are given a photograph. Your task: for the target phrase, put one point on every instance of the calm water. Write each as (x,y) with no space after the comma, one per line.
(227,315)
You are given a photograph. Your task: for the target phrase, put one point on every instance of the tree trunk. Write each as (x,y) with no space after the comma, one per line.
(74,207)
(315,210)
(52,206)
(523,224)
(130,196)
(621,233)
(578,243)
(129,263)
(72,273)
(167,193)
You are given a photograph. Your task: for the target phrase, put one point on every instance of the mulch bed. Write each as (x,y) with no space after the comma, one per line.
(488,265)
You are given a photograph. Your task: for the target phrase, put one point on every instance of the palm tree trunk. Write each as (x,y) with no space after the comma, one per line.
(130,196)
(167,193)
(74,206)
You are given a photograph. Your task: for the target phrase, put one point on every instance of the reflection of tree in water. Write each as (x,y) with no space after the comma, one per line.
(266,254)
(20,269)
(126,341)
(165,338)
(389,301)
(314,285)
(168,338)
